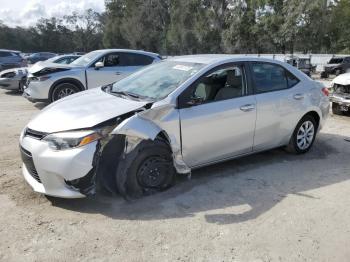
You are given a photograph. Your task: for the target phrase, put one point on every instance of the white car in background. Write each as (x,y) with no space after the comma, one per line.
(340,96)
(51,82)
(15,79)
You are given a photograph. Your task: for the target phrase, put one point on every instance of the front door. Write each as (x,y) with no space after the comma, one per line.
(109,73)
(219,119)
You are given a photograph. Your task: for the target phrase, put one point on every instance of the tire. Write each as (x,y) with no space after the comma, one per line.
(338,72)
(296,145)
(324,75)
(148,170)
(336,109)
(62,90)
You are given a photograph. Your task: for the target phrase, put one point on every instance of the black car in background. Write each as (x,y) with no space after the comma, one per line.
(42,56)
(336,66)
(303,64)
(11,59)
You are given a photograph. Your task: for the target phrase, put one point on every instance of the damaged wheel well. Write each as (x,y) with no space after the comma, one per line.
(164,137)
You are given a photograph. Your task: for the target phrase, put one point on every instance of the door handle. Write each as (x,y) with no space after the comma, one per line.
(298,96)
(247,108)
(118,73)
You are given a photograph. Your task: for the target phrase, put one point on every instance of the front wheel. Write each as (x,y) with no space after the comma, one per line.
(150,170)
(63,90)
(303,136)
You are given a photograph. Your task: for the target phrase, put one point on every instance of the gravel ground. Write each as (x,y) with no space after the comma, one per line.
(268,207)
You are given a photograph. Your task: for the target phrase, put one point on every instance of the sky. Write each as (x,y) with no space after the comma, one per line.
(27,12)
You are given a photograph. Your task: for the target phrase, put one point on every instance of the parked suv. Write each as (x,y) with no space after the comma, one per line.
(36,57)
(11,59)
(50,82)
(303,64)
(336,66)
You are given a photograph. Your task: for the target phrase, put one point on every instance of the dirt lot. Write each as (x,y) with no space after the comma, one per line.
(269,207)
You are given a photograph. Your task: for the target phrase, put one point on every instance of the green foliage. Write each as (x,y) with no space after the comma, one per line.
(176,27)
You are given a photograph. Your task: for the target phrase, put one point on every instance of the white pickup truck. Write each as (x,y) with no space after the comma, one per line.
(51,82)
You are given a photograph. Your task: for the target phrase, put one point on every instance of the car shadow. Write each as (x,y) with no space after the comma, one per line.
(13,93)
(40,105)
(234,191)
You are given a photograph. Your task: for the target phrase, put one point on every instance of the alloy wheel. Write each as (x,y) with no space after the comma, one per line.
(65,92)
(305,135)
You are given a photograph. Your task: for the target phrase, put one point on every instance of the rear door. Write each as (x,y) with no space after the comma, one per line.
(217,116)
(280,100)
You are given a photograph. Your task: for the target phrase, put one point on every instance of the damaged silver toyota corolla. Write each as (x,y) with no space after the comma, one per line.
(134,136)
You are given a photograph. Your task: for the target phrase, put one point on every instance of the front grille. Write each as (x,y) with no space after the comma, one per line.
(34,134)
(28,162)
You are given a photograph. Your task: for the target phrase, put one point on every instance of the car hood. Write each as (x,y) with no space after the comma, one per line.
(82,110)
(343,79)
(37,67)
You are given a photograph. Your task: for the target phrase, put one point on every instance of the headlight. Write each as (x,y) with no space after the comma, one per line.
(40,78)
(73,139)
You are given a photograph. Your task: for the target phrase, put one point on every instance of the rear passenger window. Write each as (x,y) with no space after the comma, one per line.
(270,77)
(129,59)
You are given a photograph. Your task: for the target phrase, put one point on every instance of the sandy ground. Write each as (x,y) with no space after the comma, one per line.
(268,207)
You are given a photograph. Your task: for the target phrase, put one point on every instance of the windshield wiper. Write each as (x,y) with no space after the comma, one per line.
(132,95)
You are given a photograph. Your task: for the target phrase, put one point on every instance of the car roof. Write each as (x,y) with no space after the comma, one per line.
(219,58)
(7,50)
(129,51)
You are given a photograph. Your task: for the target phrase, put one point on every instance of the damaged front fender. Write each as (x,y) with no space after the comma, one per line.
(141,127)
(137,126)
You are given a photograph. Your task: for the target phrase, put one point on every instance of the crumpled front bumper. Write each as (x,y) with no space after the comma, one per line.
(9,83)
(36,91)
(344,101)
(50,172)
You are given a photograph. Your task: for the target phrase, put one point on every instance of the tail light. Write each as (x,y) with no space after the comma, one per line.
(325,91)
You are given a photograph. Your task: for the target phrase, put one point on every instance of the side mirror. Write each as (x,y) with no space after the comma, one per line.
(99,65)
(195,100)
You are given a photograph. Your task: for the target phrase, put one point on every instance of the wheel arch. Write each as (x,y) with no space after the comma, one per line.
(315,115)
(74,81)
(145,129)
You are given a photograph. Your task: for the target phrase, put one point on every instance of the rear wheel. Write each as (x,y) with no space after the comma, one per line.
(151,170)
(303,136)
(336,109)
(62,90)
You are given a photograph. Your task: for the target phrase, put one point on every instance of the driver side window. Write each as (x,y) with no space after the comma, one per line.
(222,84)
(109,60)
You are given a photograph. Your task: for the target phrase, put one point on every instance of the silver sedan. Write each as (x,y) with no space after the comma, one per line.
(136,135)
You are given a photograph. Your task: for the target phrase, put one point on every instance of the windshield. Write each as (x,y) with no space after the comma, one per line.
(158,80)
(336,61)
(53,59)
(85,60)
